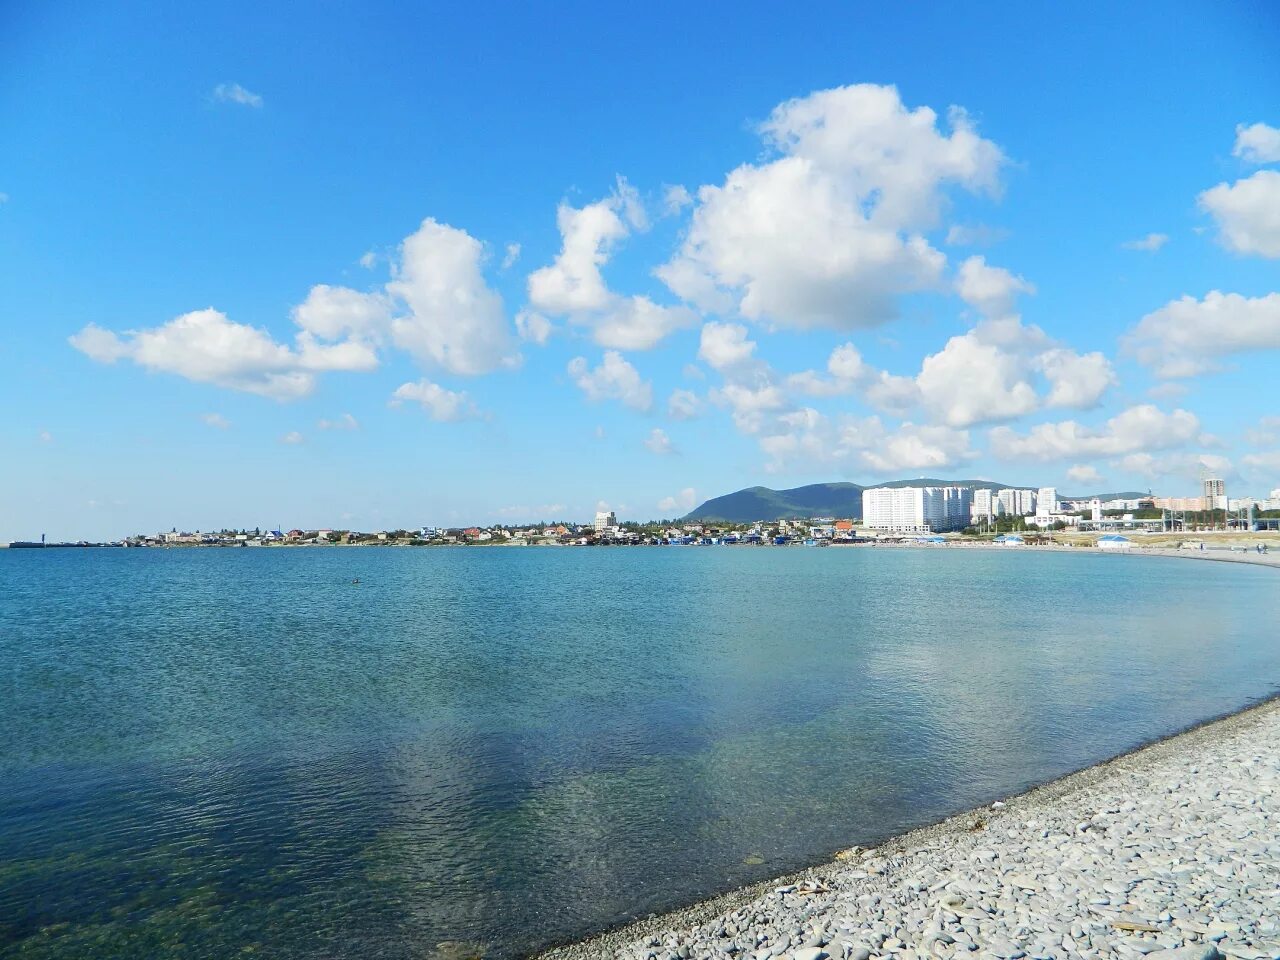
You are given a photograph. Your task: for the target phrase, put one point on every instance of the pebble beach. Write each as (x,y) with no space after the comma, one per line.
(1170,852)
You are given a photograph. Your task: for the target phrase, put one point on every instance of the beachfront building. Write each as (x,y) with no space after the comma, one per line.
(959,506)
(605,520)
(1215,494)
(986,503)
(1113,541)
(1046,501)
(1017,503)
(916,509)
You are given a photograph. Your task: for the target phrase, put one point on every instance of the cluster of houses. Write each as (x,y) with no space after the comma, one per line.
(901,511)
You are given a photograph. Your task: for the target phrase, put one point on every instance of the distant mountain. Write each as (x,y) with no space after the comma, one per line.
(828,500)
(1122,495)
(762,503)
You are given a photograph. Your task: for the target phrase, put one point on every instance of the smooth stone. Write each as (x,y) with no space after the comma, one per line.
(1197,951)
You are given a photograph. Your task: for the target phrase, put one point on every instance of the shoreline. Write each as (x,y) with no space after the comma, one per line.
(1218,554)
(1071,798)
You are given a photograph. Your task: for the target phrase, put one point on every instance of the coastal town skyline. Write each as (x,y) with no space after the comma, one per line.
(431,284)
(973,507)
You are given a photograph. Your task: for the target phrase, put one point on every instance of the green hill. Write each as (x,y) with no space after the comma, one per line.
(824,500)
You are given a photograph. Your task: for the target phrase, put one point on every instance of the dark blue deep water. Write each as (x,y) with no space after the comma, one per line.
(215,753)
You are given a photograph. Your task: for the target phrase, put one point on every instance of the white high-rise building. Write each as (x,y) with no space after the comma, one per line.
(959,504)
(1215,494)
(605,520)
(916,509)
(1095,509)
(1018,503)
(1047,501)
(986,504)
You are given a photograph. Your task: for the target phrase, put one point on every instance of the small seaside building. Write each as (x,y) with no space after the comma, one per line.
(1114,541)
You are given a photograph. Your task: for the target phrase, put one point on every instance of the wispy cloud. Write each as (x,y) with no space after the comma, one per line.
(344,422)
(215,420)
(234,93)
(658,442)
(1150,243)
(974,235)
(292,438)
(684,500)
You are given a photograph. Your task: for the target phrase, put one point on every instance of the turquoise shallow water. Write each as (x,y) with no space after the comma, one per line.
(227,752)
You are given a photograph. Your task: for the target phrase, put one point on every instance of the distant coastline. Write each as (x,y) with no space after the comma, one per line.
(1219,546)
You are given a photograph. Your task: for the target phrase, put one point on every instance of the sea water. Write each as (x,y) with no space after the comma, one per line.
(482,751)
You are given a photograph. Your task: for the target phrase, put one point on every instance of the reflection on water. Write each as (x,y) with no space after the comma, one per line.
(217,752)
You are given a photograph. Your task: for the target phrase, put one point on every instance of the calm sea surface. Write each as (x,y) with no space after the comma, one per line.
(207,753)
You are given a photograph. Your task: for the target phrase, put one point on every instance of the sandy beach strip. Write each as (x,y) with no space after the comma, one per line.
(1169,852)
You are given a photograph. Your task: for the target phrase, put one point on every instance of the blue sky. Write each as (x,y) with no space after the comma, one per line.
(373,268)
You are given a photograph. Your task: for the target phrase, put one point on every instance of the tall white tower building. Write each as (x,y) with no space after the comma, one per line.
(1018,503)
(1047,501)
(916,509)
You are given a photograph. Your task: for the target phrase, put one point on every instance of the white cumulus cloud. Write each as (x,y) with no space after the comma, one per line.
(658,442)
(724,345)
(437,307)
(334,313)
(923,448)
(1138,429)
(215,420)
(533,327)
(675,197)
(1084,473)
(1188,467)
(970,381)
(1257,143)
(206,347)
(1247,213)
(454,320)
(989,290)
(830,232)
(683,404)
(1076,380)
(683,501)
(1186,336)
(444,406)
(614,379)
(573,285)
